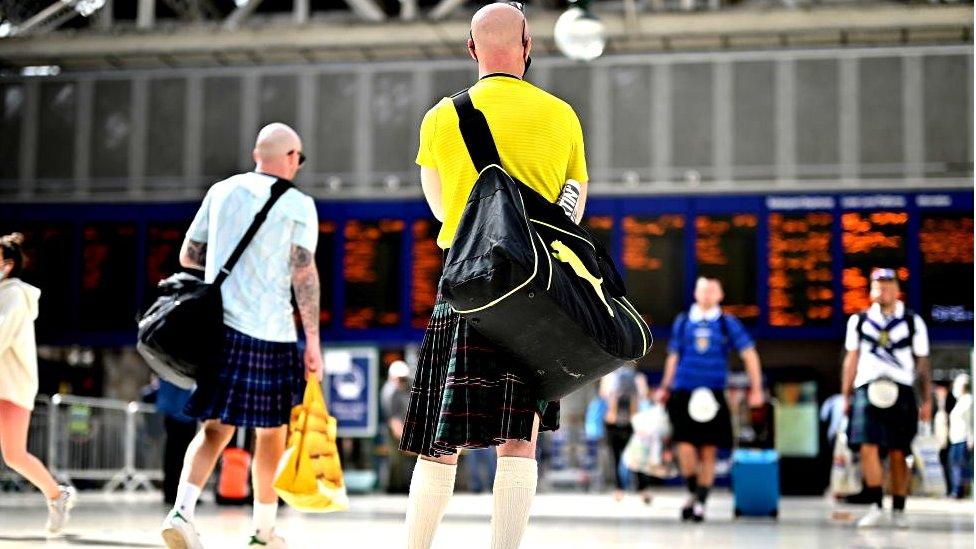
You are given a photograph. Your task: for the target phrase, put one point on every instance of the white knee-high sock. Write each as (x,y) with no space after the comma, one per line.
(431,488)
(515,483)
(186,499)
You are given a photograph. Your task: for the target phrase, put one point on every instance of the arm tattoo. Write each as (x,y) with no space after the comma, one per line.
(305,280)
(197,252)
(300,257)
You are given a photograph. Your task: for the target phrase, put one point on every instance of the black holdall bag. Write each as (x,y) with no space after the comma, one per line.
(181,334)
(534,282)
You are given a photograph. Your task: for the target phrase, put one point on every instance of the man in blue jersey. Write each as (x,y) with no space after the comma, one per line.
(693,386)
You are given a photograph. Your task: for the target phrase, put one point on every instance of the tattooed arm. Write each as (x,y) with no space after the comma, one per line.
(193,255)
(305,281)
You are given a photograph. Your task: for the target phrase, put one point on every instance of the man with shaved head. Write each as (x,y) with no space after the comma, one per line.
(468,393)
(259,377)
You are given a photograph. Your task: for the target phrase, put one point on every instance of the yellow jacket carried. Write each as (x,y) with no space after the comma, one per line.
(309,476)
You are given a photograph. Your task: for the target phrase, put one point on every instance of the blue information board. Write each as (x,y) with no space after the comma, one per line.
(350,389)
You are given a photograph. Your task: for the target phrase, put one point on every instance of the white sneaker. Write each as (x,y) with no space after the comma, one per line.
(59,510)
(875,517)
(274,542)
(899,520)
(179,533)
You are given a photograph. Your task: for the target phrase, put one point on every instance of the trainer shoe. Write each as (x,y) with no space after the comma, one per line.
(698,512)
(875,517)
(179,533)
(274,542)
(899,520)
(687,513)
(59,510)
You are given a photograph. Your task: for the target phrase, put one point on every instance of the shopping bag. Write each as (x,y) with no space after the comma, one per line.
(845,473)
(928,467)
(309,476)
(652,421)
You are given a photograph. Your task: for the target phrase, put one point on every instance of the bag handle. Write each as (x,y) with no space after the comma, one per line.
(475,132)
(279,188)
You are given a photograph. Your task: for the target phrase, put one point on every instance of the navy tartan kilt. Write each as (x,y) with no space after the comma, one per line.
(256,385)
(468,393)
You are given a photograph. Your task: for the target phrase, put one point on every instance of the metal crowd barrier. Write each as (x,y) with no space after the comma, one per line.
(95,441)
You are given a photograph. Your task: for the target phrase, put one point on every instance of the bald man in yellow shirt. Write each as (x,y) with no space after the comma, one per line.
(468,393)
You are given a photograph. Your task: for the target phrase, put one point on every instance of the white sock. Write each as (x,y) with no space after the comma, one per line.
(515,483)
(186,499)
(264,519)
(431,488)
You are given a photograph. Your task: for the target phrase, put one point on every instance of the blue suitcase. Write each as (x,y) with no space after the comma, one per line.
(755,482)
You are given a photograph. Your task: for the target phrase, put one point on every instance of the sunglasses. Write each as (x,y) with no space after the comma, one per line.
(301,156)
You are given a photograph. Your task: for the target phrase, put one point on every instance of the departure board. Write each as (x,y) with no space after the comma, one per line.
(946,243)
(108,276)
(49,250)
(324,254)
(163,242)
(653,265)
(725,248)
(601,227)
(371,270)
(800,269)
(871,240)
(427,264)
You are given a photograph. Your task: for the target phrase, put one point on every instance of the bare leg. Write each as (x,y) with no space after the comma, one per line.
(871,465)
(899,473)
(203,452)
(706,469)
(14,423)
(688,459)
(268,448)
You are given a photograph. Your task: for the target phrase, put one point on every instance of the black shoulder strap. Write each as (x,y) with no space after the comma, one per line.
(475,132)
(910,319)
(277,189)
(861,317)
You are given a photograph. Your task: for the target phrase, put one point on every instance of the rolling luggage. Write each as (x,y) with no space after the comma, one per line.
(755,482)
(233,482)
(529,279)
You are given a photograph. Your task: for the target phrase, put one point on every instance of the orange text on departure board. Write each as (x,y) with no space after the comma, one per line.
(426,266)
(947,240)
(327,231)
(638,240)
(360,267)
(870,240)
(800,275)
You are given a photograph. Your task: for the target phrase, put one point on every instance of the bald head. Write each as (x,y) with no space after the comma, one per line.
(276,139)
(277,150)
(500,39)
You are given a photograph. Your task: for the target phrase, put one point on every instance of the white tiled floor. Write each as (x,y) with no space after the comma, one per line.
(564,521)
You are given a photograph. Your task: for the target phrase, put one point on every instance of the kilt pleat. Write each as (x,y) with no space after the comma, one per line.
(468,393)
(256,385)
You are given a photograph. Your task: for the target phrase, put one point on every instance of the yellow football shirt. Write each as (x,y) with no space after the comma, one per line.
(538,136)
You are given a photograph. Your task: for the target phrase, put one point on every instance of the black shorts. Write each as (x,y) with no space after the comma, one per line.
(717,432)
(891,428)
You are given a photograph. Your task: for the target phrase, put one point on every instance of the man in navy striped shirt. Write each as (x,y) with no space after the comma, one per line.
(693,386)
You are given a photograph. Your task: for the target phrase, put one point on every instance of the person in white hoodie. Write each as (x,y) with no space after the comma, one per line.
(961,436)
(18,381)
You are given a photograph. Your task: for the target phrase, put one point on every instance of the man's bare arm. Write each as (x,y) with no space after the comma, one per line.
(923,371)
(193,254)
(305,281)
(430,180)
